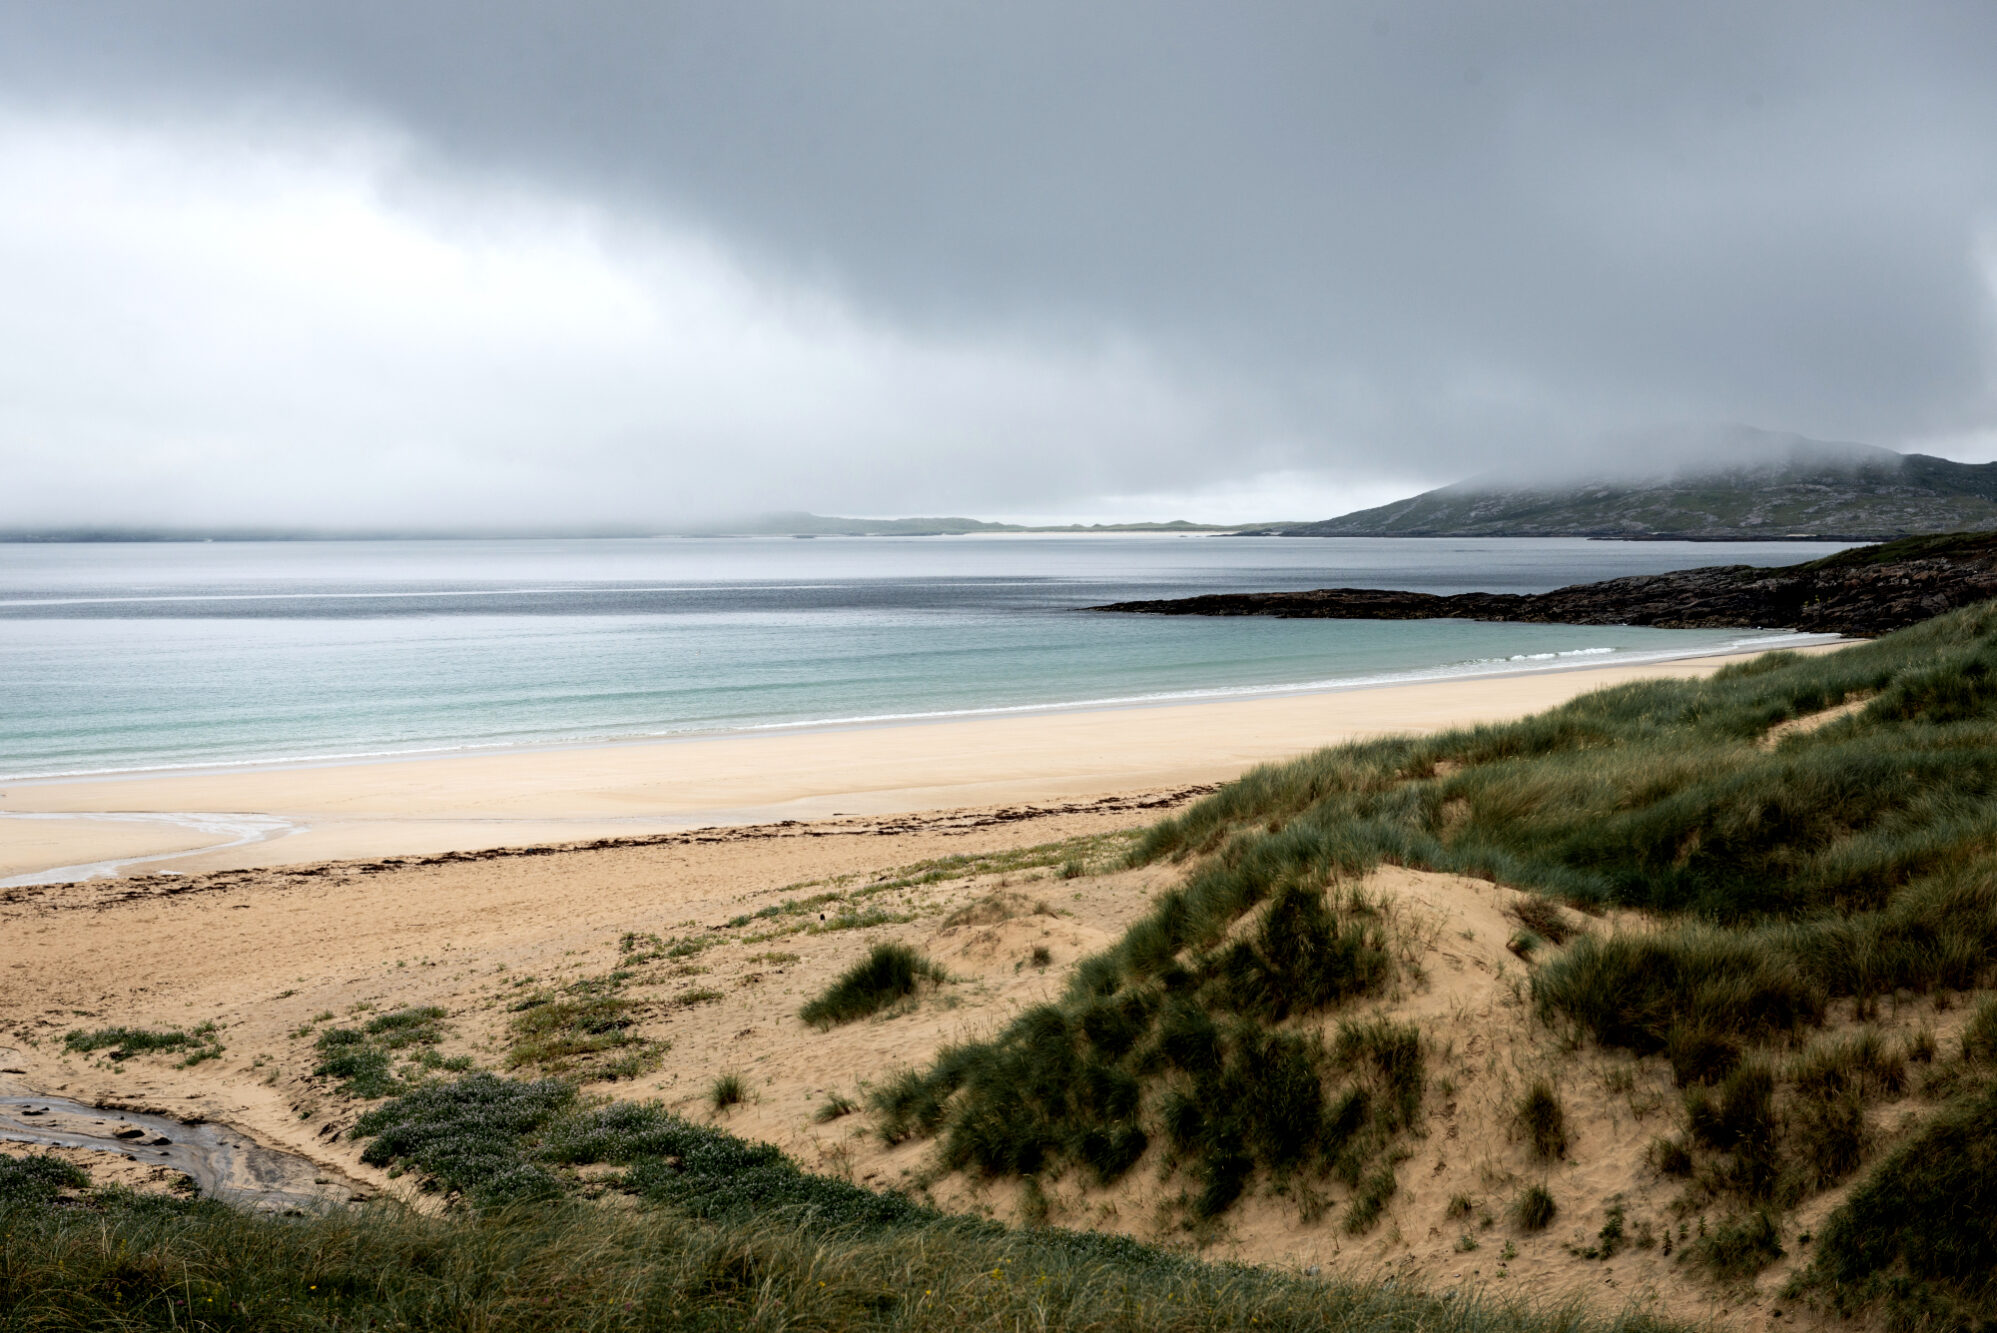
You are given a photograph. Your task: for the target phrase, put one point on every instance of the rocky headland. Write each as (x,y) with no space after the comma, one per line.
(1863,592)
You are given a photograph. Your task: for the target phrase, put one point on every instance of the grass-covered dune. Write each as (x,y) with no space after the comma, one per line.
(1800,872)
(727,1235)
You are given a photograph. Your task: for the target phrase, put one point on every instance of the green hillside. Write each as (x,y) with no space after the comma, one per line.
(1782,486)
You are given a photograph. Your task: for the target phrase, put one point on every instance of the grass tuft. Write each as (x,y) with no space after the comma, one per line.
(362,1059)
(1542,1121)
(727,1090)
(1534,1209)
(889,974)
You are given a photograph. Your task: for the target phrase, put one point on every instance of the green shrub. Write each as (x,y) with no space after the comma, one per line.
(413,1026)
(363,1070)
(888,974)
(362,1059)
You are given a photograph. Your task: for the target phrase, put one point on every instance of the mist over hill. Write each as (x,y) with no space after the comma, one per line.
(1728,485)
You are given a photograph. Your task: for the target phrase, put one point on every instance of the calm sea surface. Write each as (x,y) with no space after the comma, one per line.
(126,656)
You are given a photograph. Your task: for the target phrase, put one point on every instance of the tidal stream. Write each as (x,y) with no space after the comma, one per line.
(223,1163)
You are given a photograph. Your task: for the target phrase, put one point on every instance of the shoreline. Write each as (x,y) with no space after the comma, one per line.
(1542,664)
(524,796)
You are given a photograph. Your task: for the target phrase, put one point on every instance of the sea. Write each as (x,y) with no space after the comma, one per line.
(124,656)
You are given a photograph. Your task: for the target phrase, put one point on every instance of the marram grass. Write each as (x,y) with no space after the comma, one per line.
(120,1264)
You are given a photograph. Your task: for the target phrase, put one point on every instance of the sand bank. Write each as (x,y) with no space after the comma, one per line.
(515,797)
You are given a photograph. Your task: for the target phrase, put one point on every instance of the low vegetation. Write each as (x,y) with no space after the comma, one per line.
(734,1238)
(887,976)
(192,1045)
(727,1090)
(842,902)
(1918,1235)
(32,1180)
(362,1059)
(585,1029)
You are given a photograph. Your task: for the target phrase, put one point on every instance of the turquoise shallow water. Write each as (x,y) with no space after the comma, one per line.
(120,656)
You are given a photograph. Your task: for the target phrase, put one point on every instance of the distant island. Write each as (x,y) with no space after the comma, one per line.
(821,525)
(1867,591)
(1751,485)
(761,525)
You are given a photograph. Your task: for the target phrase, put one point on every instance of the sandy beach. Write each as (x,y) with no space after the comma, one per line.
(726,881)
(307,813)
(996,847)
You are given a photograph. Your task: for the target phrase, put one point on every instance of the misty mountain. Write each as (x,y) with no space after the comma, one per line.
(1739,484)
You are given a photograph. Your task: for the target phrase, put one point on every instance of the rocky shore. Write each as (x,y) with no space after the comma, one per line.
(1862,592)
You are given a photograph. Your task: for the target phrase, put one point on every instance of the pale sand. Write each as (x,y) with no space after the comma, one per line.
(516,797)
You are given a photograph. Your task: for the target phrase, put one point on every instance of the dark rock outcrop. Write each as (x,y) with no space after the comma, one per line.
(1862,592)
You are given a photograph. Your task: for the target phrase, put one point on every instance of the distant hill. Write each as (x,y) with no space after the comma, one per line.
(1745,485)
(762,525)
(822,525)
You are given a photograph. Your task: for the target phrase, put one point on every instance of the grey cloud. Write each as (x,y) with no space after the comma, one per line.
(1409,239)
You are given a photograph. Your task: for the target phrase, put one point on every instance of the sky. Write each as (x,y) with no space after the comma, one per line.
(388,263)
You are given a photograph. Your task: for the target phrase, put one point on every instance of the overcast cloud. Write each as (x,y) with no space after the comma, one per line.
(392,263)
